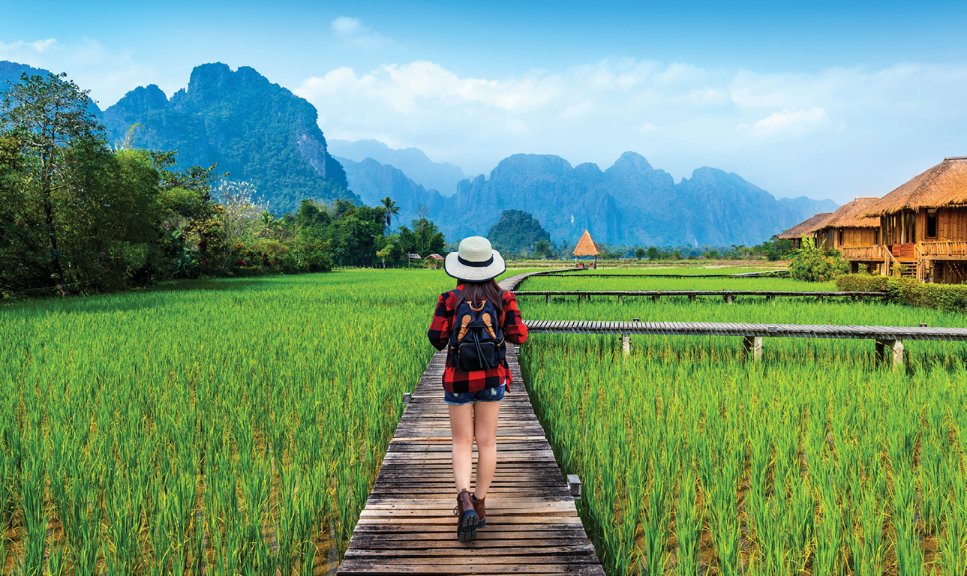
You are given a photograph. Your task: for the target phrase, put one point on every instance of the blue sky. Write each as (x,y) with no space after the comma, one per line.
(827,99)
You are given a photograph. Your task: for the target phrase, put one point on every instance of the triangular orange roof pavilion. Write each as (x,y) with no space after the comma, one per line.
(586,246)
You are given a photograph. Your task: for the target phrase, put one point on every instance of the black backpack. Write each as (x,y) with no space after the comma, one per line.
(476,339)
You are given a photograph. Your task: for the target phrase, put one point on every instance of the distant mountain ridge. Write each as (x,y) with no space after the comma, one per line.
(263,133)
(629,203)
(440,176)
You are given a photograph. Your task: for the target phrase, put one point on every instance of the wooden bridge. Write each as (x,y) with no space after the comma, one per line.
(584,273)
(727,295)
(886,338)
(408,524)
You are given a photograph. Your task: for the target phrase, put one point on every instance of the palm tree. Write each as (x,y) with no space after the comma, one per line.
(391,209)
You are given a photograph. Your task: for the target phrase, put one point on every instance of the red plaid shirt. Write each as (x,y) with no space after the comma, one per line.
(456,380)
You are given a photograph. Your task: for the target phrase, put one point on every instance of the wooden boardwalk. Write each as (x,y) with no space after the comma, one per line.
(585,273)
(727,295)
(408,526)
(887,339)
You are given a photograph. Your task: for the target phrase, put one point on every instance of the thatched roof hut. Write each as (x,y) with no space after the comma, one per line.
(854,214)
(586,246)
(807,226)
(943,186)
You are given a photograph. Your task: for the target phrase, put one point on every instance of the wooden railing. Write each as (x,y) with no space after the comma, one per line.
(923,265)
(862,253)
(888,262)
(943,248)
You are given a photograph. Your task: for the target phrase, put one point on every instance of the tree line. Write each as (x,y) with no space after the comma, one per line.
(78,215)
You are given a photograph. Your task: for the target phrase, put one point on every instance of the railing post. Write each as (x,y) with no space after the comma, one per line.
(574,485)
(753,347)
(895,348)
(626,340)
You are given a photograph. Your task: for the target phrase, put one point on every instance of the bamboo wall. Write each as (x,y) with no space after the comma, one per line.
(855,237)
(951,225)
(852,237)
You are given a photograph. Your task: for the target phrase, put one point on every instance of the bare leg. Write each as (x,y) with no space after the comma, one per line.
(485,434)
(461,427)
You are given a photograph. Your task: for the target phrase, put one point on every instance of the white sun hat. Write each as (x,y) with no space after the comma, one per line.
(474,261)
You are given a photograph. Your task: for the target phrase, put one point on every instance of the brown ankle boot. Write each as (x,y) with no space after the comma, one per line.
(478,505)
(467,524)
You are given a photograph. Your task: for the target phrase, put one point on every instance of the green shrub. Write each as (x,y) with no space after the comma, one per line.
(862,283)
(947,297)
(814,264)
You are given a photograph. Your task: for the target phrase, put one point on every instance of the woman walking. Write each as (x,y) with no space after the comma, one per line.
(473,321)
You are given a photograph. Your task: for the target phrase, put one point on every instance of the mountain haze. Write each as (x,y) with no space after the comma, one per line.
(373,181)
(439,176)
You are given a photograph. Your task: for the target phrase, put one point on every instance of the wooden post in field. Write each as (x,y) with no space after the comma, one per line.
(575,486)
(896,352)
(753,347)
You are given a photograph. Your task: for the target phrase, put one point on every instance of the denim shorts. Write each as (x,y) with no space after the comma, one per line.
(492,394)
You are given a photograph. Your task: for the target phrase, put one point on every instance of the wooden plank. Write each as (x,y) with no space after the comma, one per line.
(408,526)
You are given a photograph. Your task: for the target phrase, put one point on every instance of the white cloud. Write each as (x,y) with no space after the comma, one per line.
(27,47)
(346,26)
(107,73)
(790,122)
(353,33)
(835,133)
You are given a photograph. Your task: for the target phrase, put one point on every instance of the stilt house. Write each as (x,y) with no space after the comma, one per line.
(806,228)
(923,224)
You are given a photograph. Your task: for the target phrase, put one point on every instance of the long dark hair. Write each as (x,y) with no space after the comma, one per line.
(487,290)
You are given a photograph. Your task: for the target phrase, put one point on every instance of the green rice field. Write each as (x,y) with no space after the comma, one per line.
(244,418)
(236,426)
(817,460)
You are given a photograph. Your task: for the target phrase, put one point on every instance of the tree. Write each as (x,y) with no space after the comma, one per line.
(816,264)
(640,252)
(242,215)
(24,252)
(543,249)
(517,232)
(425,238)
(191,229)
(46,115)
(392,209)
